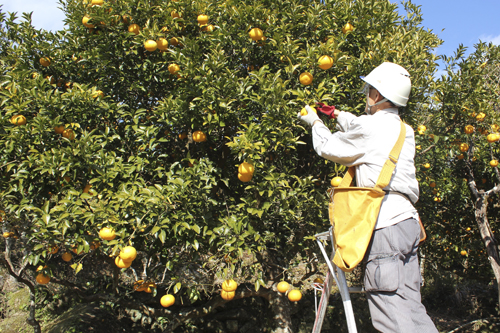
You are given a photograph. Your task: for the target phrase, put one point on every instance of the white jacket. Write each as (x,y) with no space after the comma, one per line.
(365,142)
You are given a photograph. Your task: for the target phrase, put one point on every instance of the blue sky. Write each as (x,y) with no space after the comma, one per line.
(463,21)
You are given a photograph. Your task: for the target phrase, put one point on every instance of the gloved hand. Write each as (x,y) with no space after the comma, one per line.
(311,116)
(325,109)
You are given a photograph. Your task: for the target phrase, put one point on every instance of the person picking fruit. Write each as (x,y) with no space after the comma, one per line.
(392,274)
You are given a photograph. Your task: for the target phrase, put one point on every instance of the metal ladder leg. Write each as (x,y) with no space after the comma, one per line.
(341,282)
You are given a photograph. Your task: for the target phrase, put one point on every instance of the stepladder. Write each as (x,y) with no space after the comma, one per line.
(334,274)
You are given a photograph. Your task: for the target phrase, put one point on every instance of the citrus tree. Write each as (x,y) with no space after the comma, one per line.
(169,129)
(458,154)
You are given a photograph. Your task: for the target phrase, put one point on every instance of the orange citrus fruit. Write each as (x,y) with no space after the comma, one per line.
(244,178)
(128,253)
(325,62)
(256,34)
(464,147)
(199,136)
(469,129)
(202,19)
(294,295)
(183,135)
(18,120)
(173,68)
(283,287)
(59,129)
(53,249)
(42,278)
(150,45)
(167,300)
(347,28)
(162,43)
(227,295)
(67,256)
(229,285)
(491,138)
(336,181)
(306,78)
(174,41)
(134,28)
(85,21)
(427,165)
(246,168)
(45,62)
(68,134)
(121,263)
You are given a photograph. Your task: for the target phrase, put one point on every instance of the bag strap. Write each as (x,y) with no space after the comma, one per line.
(386,174)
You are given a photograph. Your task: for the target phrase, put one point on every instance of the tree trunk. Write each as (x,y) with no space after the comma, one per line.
(488,238)
(282,319)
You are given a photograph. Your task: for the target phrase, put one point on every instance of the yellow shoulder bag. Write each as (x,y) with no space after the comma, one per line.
(354,211)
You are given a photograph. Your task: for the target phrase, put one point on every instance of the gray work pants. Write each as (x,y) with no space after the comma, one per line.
(392,280)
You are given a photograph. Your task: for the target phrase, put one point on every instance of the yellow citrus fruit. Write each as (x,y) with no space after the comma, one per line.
(229,285)
(67,256)
(306,78)
(336,181)
(97,2)
(6,234)
(121,263)
(419,147)
(42,278)
(107,233)
(199,136)
(139,285)
(325,62)
(427,165)
(227,295)
(469,129)
(495,127)
(347,28)
(283,286)
(464,147)
(421,129)
(150,45)
(246,168)
(128,253)
(167,300)
(45,62)
(463,252)
(18,120)
(150,287)
(162,44)
(437,199)
(68,134)
(202,19)
(294,295)
(134,28)
(256,34)
(59,129)
(494,163)
(173,68)
(85,21)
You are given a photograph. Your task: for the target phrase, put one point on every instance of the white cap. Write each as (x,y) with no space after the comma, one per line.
(392,81)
